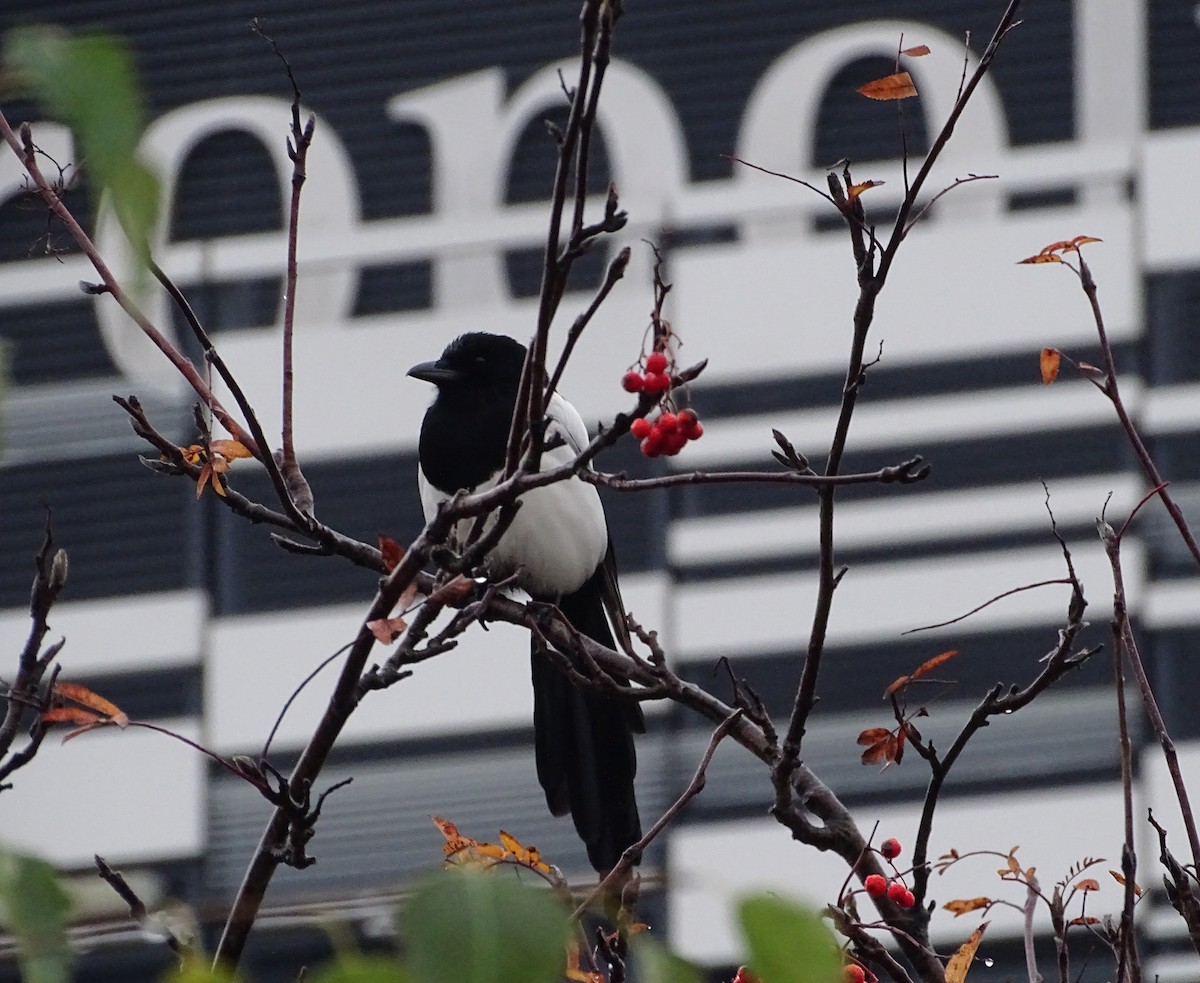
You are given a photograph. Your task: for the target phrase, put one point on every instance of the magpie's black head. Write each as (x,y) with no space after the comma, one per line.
(477,361)
(465,432)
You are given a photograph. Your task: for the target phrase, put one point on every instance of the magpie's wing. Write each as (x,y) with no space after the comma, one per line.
(566,421)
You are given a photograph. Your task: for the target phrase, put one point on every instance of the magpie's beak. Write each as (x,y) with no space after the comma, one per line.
(435,372)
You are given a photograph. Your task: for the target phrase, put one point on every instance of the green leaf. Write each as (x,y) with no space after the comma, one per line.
(788,943)
(467,926)
(360,969)
(34,908)
(658,965)
(89,82)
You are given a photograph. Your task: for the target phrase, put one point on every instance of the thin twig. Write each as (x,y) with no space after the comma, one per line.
(1112,548)
(1112,391)
(633,853)
(990,602)
(299,491)
(181,363)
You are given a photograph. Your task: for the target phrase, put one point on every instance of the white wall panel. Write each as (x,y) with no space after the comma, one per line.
(118,633)
(257,661)
(130,796)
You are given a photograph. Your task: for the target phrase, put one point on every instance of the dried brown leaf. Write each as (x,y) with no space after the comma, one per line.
(1120,879)
(960,963)
(963,906)
(855,190)
(92,701)
(897,86)
(1049,362)
(391,551)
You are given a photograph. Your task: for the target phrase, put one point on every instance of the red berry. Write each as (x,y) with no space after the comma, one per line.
(687,418)
(696,432)
(640,428)
(908,900)
(744,976)
(876,885)
(656,382)
(633,382)
(655,443)
(853,973)
(667,422)
(656,362)
(890,848)
(896,892)
(673,443)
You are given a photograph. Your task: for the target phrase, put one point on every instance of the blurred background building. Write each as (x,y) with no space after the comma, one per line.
(423,217)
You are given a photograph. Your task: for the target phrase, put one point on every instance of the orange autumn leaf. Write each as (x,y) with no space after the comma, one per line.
(463,851)
(1049,254)
(1120,879)
(455,841)
(884,746)
(960,963)
(229,450)
(91,711)
(963,906)
(925,667)
(1084,920)
(391,551)
(1087,884)
(1049,362)
(72,715)
(916,51)
(873,735)
(526,856)
(855,190)
(93,701)
(574,972)
(193,453)
(897,86)
(215,460)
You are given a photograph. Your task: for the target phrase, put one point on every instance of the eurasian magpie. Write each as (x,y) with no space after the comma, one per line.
(559,548)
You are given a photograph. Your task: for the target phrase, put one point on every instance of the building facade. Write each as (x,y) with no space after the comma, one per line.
(423,217)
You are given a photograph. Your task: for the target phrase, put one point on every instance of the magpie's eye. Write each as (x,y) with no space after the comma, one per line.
(480,361)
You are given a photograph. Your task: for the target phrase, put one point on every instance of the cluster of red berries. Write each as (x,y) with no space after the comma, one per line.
(877,885)
(667,434)
(654,382)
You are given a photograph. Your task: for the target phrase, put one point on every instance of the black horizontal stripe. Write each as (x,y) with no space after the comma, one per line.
(855,676)
(969,463)
(126,531)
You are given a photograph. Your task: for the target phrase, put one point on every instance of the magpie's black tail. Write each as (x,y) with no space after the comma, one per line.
(586,760)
